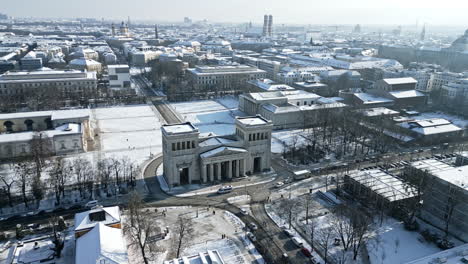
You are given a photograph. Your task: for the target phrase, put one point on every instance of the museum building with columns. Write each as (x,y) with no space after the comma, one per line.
(190,157)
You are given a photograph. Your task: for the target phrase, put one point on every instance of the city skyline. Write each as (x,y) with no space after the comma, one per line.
(299,11)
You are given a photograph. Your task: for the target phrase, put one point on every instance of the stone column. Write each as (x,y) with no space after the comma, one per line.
(237,168)
(219,171)
(211,172)
(203,173)
(229,175)
(242,167)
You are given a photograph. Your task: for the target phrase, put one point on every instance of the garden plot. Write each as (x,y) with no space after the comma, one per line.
(211,116)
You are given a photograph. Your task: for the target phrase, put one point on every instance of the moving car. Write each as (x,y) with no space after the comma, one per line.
(225,189)
(91,204)
(279,184)
(243,211)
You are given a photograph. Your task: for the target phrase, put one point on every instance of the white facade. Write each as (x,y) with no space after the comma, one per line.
(67,82)
(60,132)
(119,76)
(190,158)
(439,79)
(456,89)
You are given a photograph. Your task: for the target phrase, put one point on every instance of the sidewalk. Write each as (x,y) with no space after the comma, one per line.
(201,189)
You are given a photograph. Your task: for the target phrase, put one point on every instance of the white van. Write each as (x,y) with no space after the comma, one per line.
(225,189)
(302,174)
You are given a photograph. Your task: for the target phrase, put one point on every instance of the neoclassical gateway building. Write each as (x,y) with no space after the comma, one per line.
(189,157)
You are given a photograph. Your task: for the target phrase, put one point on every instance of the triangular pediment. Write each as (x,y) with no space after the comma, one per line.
(222,151)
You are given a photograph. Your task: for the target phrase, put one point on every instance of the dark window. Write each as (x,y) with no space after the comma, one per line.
(122,70)
(97,216)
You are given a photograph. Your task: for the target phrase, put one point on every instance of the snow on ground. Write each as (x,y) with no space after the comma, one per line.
(230,102)
(200,189)
(208,231)
(211,116)
(125,131)
(132,131)
(395,245)
(287,137)
(241,199)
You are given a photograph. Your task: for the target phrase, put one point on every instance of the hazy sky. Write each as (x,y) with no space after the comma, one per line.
(435,12)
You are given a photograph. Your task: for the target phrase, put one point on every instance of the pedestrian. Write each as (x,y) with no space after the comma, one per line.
(214,212)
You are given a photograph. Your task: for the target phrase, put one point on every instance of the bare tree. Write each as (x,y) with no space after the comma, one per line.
(37,188)
(362,225)
(343,227)
(454,199)
(82,169)
(183,234)
(116,167)
(23,172)
(289,207)
(8,181)
(58,178)
(40,149)
(104,172)
(141,227)
(58,239)
(324,239)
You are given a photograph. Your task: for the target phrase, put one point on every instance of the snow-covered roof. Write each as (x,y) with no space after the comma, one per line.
(252,121)
(179,128)
(404,80)
(378,111)
(384,184)
(222,150)
(431,126)
(54,115)
(102,244)
(70,114)
(16,137)
(83,61)
(214,141)
(406,94)
(211,256)
(450,256)
(367,98)
(82,220)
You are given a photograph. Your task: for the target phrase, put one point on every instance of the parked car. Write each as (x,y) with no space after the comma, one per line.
(287,231)
(251,237)
(306,252)
(297,242)
(225,189)
(91,204)
(253,226)
(279,184)
(243,211)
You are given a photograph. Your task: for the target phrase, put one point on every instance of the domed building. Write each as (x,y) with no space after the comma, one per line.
(461,44)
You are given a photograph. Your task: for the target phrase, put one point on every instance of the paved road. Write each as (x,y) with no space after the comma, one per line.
(168,114)
(271,241)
